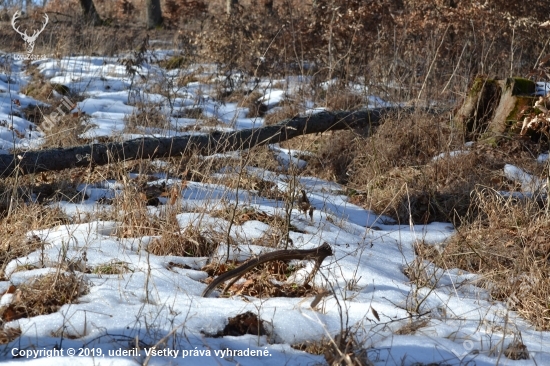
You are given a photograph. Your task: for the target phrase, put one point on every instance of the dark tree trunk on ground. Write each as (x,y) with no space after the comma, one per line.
(90,12)
(154,13)
(216,142)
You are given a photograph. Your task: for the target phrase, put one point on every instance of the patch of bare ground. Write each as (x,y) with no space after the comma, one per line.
(246,323)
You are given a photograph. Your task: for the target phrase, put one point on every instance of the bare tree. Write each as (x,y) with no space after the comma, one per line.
(154,13)
(229,5)
(90,12)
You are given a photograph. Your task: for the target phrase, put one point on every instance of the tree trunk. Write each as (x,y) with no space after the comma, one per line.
(154,13)
(90,12)
(207,144)
(229,5)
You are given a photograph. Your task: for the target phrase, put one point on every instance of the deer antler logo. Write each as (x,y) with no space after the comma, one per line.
(28,39)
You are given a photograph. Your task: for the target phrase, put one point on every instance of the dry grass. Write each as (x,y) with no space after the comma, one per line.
(334,154)
(149,117)
(504,240)
(112,268)
(44,295)
(282,112)
(342,349)
(187,243)
(130,208)
(66,131)
(67,37)
(15,225)
(38,88)
(341,98)
(508,244)
(8,335)
(394,171)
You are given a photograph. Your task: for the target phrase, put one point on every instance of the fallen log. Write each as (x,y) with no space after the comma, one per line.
(319,254)
(216,142)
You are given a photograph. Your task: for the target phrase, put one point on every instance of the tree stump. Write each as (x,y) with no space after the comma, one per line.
(492,107)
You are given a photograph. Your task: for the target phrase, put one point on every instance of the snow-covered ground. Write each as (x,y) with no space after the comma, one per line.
(154,313)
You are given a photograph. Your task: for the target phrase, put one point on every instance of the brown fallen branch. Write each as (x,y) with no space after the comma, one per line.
(319,254)
(216,142)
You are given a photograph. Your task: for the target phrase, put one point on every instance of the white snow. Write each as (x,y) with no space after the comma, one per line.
(543,158)
(542,88)
(529,183)
(450,154)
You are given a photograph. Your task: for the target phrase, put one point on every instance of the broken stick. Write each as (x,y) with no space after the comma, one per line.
(319,254)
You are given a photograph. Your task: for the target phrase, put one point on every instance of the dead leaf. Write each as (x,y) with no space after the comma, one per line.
(375,313)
